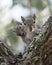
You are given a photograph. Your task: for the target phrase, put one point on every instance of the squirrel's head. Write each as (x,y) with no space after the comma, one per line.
(20,30)
(29,22)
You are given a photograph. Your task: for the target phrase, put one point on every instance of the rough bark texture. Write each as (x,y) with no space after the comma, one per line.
(39,52)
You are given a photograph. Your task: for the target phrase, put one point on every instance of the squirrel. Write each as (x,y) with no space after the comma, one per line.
(25,30)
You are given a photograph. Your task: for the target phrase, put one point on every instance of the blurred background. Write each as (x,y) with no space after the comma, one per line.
(12,10)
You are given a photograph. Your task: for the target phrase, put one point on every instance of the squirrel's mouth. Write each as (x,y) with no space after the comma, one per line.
(22,34)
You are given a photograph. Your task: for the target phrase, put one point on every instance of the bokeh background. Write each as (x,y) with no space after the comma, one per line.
(12,10)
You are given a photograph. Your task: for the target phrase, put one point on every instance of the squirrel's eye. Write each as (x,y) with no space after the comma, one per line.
(20,27)
(34,21)
(24,23)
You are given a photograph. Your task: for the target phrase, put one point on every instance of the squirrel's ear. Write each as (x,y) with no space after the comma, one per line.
(18,23)
(34,16)
(22,18)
